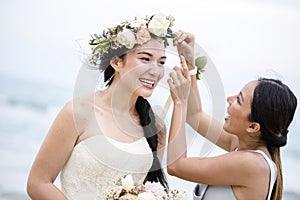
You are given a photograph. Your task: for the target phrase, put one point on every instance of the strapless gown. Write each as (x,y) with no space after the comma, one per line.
(97,162)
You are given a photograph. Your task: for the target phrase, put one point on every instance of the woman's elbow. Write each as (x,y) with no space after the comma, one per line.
(30,188)
(33,186)
(171,169)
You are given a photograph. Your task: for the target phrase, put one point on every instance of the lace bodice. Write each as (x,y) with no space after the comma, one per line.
(98,161)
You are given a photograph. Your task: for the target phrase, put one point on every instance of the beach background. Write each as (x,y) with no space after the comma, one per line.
(40,63)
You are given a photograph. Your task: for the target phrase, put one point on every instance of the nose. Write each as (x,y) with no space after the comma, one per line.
(229,99)
(155,69)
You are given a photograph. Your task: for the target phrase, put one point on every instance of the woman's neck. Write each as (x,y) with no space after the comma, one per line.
(251,145)
(119,100)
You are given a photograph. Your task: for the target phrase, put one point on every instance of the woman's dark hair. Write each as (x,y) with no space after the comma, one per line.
(147,120)
(273,107)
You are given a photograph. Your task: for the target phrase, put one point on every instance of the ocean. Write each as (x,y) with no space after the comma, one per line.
(28,109)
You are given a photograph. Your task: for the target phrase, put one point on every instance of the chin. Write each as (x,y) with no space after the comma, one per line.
(225,127)
(146,95)
(144,92)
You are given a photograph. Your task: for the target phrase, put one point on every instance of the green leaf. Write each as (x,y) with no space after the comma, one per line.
(166,43)
(200,63)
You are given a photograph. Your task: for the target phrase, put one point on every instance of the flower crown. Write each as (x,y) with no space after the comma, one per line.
(130,33)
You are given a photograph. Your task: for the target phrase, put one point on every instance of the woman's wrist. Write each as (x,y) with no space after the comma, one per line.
(193,72)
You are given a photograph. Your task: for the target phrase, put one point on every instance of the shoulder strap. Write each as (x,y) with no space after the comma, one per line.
(273,171)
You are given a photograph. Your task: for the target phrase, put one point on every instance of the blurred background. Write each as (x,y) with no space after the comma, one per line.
(40,61)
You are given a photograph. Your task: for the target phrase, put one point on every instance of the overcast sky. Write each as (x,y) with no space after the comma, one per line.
(244,39)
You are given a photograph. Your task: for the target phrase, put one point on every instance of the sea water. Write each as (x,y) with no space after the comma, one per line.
(27,110)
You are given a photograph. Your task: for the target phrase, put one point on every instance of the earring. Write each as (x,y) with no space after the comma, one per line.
(108,80)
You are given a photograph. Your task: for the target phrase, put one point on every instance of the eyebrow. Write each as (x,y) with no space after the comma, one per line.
(149,54)
(242,96)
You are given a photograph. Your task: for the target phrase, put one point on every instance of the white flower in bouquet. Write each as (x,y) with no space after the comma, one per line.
(146,196)
(125,189)
(176,194)
(127,183)
(155,188)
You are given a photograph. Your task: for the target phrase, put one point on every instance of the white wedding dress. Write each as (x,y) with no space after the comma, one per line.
(97,162)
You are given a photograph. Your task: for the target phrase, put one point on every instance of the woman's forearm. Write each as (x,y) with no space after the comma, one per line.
(177,140)
(194,105)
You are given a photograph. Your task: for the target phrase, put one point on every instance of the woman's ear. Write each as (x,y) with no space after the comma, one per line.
(253,127)
(116,63)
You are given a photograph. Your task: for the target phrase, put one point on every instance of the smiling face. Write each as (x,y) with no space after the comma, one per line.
(239,109)
(142,68)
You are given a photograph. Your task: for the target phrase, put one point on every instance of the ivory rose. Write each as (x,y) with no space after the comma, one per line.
(126,38)
(158,25)
(137,23)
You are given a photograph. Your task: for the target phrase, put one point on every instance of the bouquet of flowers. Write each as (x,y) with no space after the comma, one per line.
(125,189)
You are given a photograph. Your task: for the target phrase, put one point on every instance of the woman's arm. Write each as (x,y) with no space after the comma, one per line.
(234,168)
(161,138)
(52,156)
(179,87)
(243,169)
(196,118)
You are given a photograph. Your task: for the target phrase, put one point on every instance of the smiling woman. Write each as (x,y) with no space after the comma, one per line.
(118,119)
(255,129)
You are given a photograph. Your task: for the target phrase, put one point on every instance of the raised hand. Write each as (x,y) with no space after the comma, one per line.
(180,82)
(185,43)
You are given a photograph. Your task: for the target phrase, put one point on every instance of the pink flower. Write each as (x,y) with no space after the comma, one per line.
(128,197)
(143,36)
(155,188)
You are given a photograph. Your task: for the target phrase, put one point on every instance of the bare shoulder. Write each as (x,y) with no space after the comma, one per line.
(251,162)
(75,113)
(254,175)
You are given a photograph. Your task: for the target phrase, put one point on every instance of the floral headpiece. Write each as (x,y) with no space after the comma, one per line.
(130,33)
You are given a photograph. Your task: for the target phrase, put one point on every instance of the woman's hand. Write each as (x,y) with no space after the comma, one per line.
(185,43)
(179,83)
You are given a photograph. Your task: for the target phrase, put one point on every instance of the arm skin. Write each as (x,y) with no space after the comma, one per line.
(243,169)
(196,118)
(161,137)
(52,156)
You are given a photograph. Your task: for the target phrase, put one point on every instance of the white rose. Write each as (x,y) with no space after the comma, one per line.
(137,23)
(158,25)
(126,38)
(127,183)
(146,196)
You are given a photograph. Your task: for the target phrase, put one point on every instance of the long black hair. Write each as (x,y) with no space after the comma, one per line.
(273,107)
(148,122)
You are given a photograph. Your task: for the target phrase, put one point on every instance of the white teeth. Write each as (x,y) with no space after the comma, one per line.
(149,82)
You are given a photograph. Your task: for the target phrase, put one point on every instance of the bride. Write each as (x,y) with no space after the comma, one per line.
(98,138)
